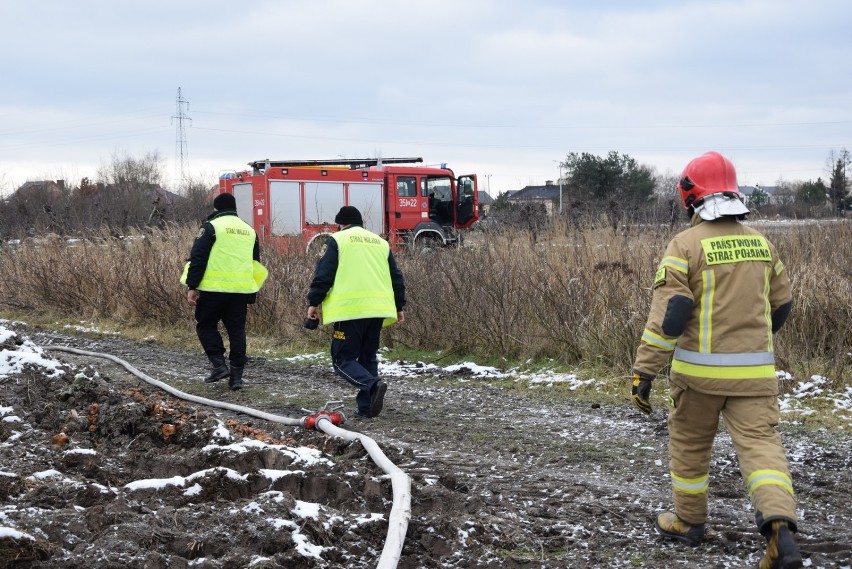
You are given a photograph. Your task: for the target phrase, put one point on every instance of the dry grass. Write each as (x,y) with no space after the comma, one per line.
(818,337)
(24,551)
(574,299)
(577,295)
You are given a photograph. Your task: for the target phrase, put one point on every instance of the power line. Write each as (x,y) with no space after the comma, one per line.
(525,125)
(517,146)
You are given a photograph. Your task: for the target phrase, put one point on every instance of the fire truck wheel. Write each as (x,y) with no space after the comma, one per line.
(425,244)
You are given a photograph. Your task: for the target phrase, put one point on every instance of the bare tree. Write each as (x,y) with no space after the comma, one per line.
(197,202)
(126,193)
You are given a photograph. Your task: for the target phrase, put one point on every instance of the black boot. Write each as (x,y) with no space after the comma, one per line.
(220,369)
(236,380)
(670,525)
(377,398)
(781,549)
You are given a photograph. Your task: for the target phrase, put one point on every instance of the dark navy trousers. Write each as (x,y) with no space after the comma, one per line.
(354,354)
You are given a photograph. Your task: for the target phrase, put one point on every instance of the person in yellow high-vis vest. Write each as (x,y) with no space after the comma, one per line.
(719,295)
(223,276)
(358,289)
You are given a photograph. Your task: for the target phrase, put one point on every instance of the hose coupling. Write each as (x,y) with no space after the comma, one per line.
(331,411)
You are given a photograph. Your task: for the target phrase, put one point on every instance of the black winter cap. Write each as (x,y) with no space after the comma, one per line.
(348,215)
(224,201)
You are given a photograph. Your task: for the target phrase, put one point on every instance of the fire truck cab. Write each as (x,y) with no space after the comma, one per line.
(293,203)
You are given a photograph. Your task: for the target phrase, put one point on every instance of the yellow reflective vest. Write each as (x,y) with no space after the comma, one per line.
(362,284)
(230,266)
(735,281)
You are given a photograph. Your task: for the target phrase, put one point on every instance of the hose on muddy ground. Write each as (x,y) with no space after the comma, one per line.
(400,512)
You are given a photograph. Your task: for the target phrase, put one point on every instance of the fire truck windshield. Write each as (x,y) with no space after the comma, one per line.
(439,188)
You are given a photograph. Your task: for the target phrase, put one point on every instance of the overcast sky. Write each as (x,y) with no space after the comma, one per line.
(503,88)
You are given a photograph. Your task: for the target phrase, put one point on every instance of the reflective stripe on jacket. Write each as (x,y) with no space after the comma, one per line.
(730,280)
(230,266)
(362,284)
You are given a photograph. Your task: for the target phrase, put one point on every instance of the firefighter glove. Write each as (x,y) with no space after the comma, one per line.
(641,392)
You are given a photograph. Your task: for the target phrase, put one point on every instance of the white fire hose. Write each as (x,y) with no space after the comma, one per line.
(400,482)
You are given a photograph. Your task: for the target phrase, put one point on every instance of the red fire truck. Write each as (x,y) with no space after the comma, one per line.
(293,202)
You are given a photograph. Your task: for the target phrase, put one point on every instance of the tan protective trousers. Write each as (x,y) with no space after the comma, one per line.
(751,421)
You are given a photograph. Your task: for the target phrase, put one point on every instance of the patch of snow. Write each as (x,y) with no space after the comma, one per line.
(45,474)
(222,433)
(274,475)
(80,451)
(253,508)
(544,377)
(87,327)
(299,455)
(14,534)
(306,510)
(274,495)
(373,517)
(303,546)
(155,483)
(27,354)
(306,357)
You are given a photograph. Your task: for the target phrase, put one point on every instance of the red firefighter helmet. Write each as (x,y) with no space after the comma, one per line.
(710,173)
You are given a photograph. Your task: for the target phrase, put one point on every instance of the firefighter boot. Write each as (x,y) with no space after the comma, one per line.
(220,369)
(235,382)
(670,525)
(377,398)
(781,549)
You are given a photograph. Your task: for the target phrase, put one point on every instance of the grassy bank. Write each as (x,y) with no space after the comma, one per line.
(578,296)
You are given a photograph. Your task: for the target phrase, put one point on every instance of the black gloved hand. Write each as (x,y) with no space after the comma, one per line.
(641,392)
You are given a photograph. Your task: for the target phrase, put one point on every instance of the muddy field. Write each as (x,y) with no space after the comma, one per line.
(99,469)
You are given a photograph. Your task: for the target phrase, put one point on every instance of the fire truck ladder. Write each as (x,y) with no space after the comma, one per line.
(352,163)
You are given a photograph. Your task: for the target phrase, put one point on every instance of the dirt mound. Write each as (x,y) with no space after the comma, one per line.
(98,469)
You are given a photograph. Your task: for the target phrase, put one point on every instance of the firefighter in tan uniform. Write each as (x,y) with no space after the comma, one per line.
(720,293)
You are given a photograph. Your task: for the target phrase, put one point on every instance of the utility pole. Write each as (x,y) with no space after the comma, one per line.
(560,185)
(560,188)
(181,150)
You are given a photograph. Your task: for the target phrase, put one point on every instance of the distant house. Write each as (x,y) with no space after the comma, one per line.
(39,190)
(485,201)
(165,196)
(48,188)
(548,195)
(154,192)
(772,192)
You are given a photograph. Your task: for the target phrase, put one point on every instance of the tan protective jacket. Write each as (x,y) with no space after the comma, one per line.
(715,293)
